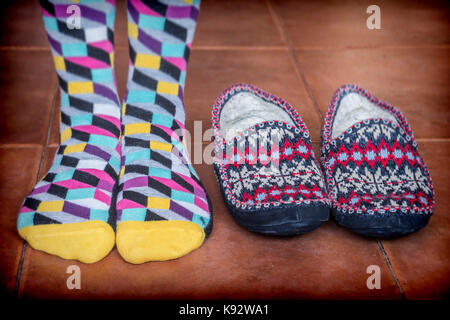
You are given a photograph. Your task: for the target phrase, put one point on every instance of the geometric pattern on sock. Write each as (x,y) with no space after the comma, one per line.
(79,185)
(157,181)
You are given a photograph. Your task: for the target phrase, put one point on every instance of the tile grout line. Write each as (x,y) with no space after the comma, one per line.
(41,162)
(389,47)
(432,139)
(294,57)
(19,145)
(388,262)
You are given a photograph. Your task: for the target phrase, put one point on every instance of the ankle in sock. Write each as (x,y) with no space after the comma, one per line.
(163,211)
(69,211)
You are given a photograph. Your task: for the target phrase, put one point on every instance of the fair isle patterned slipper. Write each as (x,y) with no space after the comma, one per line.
(377,181)
(265,164)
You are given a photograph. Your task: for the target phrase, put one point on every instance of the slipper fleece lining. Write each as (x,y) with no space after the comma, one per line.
(245,110)
(355,108)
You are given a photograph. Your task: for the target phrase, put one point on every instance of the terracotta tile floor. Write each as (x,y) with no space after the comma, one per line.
(300,50)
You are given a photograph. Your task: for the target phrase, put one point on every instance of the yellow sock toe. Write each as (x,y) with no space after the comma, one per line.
(142,241)
(88,241)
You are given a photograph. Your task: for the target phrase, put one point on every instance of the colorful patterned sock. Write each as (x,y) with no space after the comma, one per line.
(68,213)
(163,211)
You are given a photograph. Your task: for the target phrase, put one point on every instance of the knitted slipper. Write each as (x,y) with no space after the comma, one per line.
(265,165)
(377,181)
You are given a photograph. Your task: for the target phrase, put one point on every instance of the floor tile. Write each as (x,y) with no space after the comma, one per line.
(422,260)
(210,72)
(415,80)
(27,84)
(336,23)
(21,24)
(20,165)
(236,23)
(233,263)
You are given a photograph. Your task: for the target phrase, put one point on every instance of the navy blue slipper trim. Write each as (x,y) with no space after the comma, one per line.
(293,220)
(389,225)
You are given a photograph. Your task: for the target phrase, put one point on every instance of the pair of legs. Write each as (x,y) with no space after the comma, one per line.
(120,167)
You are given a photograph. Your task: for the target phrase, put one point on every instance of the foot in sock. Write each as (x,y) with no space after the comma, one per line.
(68,213)
(163,211)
